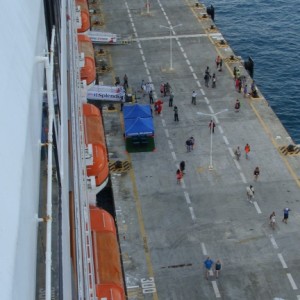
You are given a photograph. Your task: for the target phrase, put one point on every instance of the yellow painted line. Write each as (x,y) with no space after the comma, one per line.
(267,130)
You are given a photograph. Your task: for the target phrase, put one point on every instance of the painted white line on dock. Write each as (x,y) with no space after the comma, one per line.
(243,177)
(174,155)
(148,73)
(237,164)
(231,151)
(145,64)
(191,68)
(142,52)
(187,197)
(167,133)
(179,44)
(188,62)
(221,131)
(195,76)
(292,282)
(257,207)
(164,13)
(170,145)
(183,52)
(282,260)
(198,83)
(150,78)
(216,289)
(183,184)
(133,287)
(143,58)
(225,140)
(192,213)
(163,122)
(139,45)
(211,110)
(206,100)
(216,119)
(272,239)
(203,249)
(202,92)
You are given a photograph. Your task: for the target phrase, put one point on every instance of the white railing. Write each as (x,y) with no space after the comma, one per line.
(84,255)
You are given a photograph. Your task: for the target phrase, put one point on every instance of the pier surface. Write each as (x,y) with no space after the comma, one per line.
(167,230)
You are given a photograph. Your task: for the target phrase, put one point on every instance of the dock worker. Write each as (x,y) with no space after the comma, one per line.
(247,150)
(194,94)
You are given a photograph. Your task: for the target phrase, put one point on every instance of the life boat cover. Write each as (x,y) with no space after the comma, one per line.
(85,16)
(88,72)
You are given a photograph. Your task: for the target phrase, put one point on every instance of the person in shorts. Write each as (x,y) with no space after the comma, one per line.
(285,215)
(208,263)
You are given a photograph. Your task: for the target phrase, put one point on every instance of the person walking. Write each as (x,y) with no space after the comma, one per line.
(237,153)
(218,267)
(162,88)
(214,80)
(194,94)
(188,145)
(176,119)
(182,167)
(237,105)
(178,176)
(285,215)
(192,142)
(125,82)
(256,173)
(247,150)
(212,126)
(220,65)
(218,61)
(208,263)
(151,97)
(250,193)
(272,220)
(245,90)
(171,98)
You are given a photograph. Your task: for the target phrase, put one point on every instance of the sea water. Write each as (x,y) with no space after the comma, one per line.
(269,32)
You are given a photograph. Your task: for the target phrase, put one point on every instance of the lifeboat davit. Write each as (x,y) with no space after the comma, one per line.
(85,16)
(94,135)
(88,71)
(107,261)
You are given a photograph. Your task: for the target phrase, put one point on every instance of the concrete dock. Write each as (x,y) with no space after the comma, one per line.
(167,230)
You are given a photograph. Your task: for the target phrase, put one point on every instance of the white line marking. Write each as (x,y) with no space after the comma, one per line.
(198,83)
(145,64)
(298,297)
(231,151)
(179,44)
(191,68)
(188,62)
(225,140)
(282,260)
(167,133)
(257,207)
(206,100)
(148,73)
(237,164)
(183,53)
(216,119)
(187,197)
(195,76)
(174,155)
(170,145)
(292,282)
(203,249)
(150,78)
(211,273)
(183,184)
(202,92)
(243,177)
(211,110)
(216,290)
(275,246)
(221,130)
(133,287)
(139,45)
(143,58)
(192,213)
(142,52)
(163,122)
(165,13)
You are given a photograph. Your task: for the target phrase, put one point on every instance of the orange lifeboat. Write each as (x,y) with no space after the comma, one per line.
(108,271)
(94,135)
(88,71)
(85,16)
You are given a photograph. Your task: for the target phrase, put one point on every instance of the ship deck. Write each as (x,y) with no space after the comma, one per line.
(167,230)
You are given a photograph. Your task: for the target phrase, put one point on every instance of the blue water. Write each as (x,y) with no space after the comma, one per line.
(269,32)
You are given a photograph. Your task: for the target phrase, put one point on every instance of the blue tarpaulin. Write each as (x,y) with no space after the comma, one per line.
(137,111)
(138,127)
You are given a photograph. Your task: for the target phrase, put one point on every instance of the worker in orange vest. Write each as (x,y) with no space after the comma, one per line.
(247,150)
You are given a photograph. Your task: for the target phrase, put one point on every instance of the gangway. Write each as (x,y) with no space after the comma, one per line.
(108,38)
